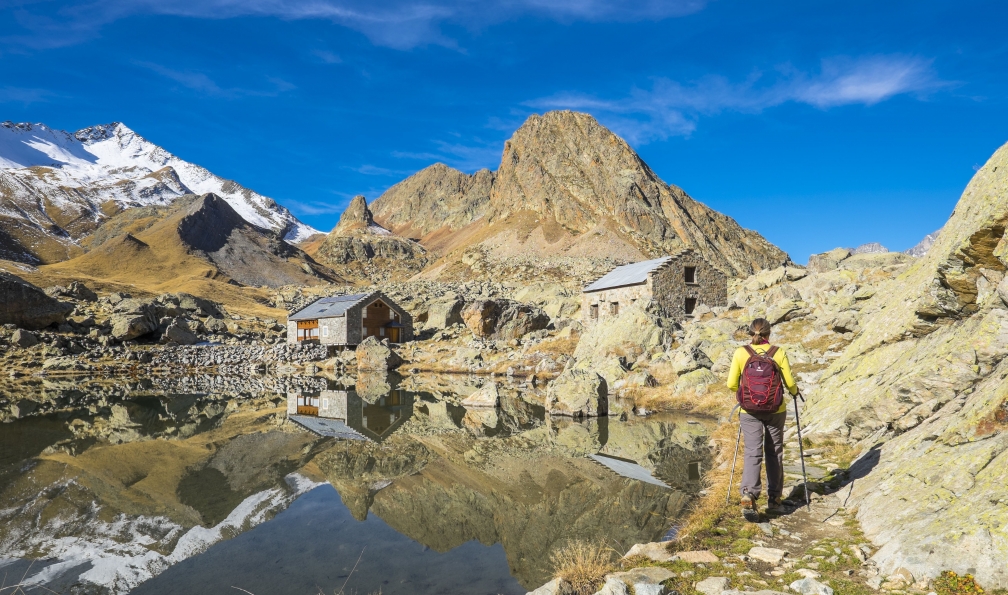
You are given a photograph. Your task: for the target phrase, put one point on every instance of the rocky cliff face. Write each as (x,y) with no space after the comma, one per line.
(568,187)
(922,390)
(375,251)
(435,198)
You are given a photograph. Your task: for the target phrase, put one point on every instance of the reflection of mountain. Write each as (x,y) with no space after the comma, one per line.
(529,492)
(123,507)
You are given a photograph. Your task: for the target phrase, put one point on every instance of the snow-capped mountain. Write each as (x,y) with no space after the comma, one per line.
(57,187)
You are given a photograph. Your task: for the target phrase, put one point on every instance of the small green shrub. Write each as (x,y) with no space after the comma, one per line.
(950,583)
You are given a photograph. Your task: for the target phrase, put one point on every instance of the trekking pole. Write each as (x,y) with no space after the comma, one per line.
(731,477)
(801,450)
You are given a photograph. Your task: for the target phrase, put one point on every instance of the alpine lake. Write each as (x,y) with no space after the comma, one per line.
(309,484)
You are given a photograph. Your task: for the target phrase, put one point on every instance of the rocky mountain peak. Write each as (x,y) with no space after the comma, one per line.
(356,216)
(99,132)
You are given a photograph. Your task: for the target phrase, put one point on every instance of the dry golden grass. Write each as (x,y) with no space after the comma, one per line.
(558,345)
(840,452)
(583,565)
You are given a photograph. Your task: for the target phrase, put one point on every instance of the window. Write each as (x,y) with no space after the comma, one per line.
(690,274)
(325,403)
(363,331)
(614,308)
(690,306)
(325,331)
(364,312)
(381,331)
(391,314)
(594,311)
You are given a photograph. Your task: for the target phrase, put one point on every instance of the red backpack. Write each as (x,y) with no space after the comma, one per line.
(761,389)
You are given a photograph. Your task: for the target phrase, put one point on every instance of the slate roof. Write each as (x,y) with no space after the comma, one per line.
(328,307)
(628,274)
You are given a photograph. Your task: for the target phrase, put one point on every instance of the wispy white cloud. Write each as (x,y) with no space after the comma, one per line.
(202,83)
(401,24)
(671,108)
(467,157)
(327,57)
(24,95)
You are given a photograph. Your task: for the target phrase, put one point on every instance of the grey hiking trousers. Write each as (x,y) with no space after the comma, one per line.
(763,432)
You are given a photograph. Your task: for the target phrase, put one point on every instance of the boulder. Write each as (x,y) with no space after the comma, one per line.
(503,319)
(444,314)
(613,586)
(375,355)
(178,332)
(712,585)
(810,586)
(657,551)
(126,327)
(633,332)
(27,306)
(770,555)
(487,396)
(697,380)
(578,393)
(699,557)
(76,290)
(554,587)
(24,339)
(646,581)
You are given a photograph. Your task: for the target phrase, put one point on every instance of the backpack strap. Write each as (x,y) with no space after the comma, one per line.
(770,352)
(750,350)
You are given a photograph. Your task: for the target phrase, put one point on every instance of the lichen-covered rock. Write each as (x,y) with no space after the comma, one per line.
(375,355)
(924,377)
(503,319)
(27,306)
(444,314)
(178,332)
(578,393)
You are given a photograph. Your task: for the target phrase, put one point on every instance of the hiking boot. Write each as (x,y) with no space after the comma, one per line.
(775,504)
(749,511)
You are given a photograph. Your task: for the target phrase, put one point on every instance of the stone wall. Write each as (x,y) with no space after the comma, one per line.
(670,291)
(624,296)
(332,331)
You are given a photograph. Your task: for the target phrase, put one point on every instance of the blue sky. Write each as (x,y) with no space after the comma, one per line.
(816,123)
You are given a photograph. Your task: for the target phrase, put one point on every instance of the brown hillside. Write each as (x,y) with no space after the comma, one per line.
(194,240)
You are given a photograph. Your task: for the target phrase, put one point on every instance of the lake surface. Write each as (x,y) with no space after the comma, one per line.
(205,484)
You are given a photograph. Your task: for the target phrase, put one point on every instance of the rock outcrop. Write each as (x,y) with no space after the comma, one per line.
(357,239)
(921,390)
(27,306)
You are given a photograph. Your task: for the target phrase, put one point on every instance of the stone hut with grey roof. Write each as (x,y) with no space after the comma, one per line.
(346,320)
(676,285)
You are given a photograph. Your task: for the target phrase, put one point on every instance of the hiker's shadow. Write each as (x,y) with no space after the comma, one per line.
(842,481)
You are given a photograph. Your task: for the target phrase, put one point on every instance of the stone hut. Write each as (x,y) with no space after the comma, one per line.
(676,284)
(346,320)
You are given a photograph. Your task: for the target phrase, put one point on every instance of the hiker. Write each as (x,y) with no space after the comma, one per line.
(759,373)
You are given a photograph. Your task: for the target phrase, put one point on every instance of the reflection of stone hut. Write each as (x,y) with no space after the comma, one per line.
(676,284)
(373,420)
(349,319)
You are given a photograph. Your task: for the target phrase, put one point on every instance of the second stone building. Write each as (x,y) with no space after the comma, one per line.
(676,285)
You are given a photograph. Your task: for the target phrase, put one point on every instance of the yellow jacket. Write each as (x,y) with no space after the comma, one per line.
(742,356)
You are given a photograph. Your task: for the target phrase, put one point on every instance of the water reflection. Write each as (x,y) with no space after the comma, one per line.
(110,483)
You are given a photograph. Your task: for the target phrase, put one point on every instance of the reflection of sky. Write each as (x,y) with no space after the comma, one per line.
(314,544)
